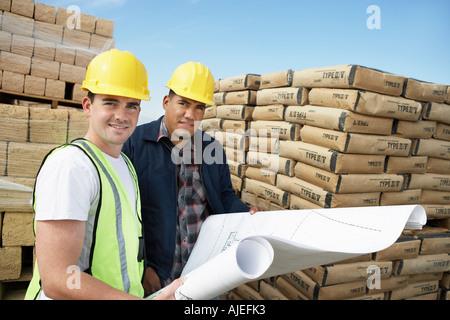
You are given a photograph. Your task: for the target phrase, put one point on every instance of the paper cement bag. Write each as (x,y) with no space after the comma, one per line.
(447,98)
(268,292)
(323,197)
(236,182)
(404,197)
(289,290)
(432,148)
(237,155)
(278,129)
(232,140)
(412,290)
(312,290)
(389,284)
(424,91)
(331,160)
(239,126)
(403,248)
(219,98)
(349,76)
(271,112)
(340,273)
(434,196)
(305,190)
(379,182)
(248,293)
(436,165)
(286,96)
(412,164)
(338,119)
(442,132)
(349,183)
(264,144)
(235,112)
(429,181)
(271,161)
(368,103)
(211,124)
(242,82)
(435,243)
(236,168)
(423,264)
(437,211)
(262,174)
(276,79)
(210,112)
(267,191)
(355,142)
(439,112)
(423,129)
(298,203)
(375,144)
(364,199)
(247,97)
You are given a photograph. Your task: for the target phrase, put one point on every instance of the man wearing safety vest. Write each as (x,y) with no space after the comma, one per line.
(183,175)
(89,242)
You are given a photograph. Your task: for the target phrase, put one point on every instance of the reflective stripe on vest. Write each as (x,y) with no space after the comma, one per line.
(113,255)
(119,232)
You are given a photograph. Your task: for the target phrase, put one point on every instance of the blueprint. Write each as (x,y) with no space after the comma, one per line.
(233,249)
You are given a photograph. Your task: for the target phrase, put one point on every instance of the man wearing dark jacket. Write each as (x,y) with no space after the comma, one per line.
(183,175)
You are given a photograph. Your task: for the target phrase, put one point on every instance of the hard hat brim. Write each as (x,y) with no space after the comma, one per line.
(191,96)
(114,91)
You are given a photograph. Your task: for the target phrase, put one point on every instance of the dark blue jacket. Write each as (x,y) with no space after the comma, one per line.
(158,185)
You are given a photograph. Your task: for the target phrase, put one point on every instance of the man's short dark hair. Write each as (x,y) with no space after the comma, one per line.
(91,96)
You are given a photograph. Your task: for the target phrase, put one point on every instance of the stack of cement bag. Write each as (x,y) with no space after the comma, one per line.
(341,136)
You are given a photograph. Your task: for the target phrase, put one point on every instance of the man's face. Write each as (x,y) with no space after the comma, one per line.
(182,115)
(112,120)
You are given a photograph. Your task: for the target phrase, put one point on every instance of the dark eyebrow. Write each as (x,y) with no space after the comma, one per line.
(110,100)
(198,105)
(117,100)
(134,104)
(184,101)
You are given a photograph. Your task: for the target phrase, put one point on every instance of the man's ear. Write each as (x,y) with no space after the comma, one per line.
(87,104)
(166,101)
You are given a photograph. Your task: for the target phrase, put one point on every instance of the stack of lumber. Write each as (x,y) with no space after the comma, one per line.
(41,55)
(345,136)
(27,134)
(44,51)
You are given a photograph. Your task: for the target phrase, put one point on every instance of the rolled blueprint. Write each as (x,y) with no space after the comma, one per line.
(244,261)
(233,249)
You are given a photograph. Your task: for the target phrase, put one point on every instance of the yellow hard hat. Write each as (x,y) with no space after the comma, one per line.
(194,81)
(117,73)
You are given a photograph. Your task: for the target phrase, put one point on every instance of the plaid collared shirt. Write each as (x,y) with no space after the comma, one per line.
(192,204)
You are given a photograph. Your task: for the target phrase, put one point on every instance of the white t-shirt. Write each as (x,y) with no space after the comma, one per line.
(67,188)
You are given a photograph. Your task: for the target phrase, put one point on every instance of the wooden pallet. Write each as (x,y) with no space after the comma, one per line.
(8,96)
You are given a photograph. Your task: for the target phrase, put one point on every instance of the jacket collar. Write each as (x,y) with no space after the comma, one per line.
(151,130)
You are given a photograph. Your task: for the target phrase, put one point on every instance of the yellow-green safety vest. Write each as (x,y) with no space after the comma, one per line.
(116,255)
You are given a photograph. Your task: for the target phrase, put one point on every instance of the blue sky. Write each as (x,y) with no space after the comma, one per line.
(234,37)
